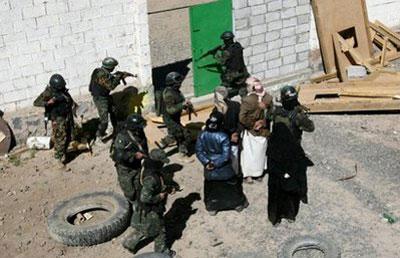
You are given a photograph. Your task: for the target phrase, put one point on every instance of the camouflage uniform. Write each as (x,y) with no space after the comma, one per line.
(234,71)
(126,144)
(60,115)
(174,102)
(149,220)
(101,84)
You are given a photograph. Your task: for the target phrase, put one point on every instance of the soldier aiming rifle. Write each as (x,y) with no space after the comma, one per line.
(103,81)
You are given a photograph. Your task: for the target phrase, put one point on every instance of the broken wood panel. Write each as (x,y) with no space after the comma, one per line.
(386,32)
(324,77)
(350,19)
(329,97)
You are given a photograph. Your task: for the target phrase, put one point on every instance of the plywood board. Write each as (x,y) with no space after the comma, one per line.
(344,17)
(329,97)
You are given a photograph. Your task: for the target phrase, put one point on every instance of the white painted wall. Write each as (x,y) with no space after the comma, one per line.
(386,11)
(70,37)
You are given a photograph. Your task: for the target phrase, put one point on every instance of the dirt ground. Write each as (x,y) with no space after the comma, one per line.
(347,212)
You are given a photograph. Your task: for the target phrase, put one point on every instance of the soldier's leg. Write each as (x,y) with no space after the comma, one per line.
(160,241)
(132,241)
(169,139)
(102,106)
(60,139)
(112,110)
(126,178)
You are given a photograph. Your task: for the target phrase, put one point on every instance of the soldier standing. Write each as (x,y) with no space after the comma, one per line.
(287,162)
(149,219)
(234,71)
(101,84)
(175,103)
(128,150)
(58,105)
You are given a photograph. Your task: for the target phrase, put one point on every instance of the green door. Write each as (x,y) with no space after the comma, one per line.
(207,23)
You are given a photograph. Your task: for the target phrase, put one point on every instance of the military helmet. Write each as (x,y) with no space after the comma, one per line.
(135,121)
(109,63)
(227,35)
(173,78)
(288,93)
(57,82)
(159,155)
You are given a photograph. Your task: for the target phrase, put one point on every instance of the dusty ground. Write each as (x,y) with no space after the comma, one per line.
(348,212)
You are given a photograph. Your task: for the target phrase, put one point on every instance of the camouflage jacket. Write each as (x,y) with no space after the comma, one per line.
(152,185)
(174,101)
(102,82)
(124,147)
(62,107)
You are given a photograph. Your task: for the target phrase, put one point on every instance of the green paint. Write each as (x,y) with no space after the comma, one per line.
(207,23)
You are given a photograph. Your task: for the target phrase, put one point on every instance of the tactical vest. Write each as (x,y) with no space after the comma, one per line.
(63,107)
(94,88)
(148,207)
(235,61)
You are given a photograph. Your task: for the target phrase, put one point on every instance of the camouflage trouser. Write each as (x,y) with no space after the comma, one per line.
(61,136)
(177,131)
(104,107)
(129,180)
(235,81)
(148,226)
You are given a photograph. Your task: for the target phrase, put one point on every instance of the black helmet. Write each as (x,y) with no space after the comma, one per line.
(135,121)
(109,63)
(227,35)
(173,79)
(288,93)
(57,82)
(215,121)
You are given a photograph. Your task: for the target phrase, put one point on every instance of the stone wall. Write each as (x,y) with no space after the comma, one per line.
(70,37)
(275,34)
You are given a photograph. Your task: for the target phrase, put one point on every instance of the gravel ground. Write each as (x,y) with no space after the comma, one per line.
(347,212)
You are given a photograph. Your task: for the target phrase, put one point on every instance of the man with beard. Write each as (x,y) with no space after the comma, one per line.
(287,162)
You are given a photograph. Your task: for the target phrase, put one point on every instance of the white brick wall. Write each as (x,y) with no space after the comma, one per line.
(70,37)
(386,11)
(275,34)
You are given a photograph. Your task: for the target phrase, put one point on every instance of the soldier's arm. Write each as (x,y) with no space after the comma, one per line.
(222,57)
(107,80)
(304,122)
(42,99)
(121,154)
(148,193)
(170,106)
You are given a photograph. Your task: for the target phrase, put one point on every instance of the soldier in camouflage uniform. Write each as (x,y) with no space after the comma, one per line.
(128,150)
(234,71)
(287,162)
(149,219)
(175,103)
(58,105)
(101,84)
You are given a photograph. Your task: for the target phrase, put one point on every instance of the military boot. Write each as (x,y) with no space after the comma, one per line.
(132,241)
(184,155)
(167,141)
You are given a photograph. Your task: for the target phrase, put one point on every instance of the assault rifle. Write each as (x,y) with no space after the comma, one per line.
(210,52)
(124,75)
(190,109)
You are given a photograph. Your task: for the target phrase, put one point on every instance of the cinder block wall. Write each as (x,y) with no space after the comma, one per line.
(71,37)
(275,34)
(386,11)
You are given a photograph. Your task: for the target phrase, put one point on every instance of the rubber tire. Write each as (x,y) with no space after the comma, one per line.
(152,255)
(295,244)
(62,231)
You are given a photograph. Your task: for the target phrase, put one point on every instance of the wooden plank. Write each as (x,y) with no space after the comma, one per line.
(338,16)
(384,51)
(330,97)
(385,32)
(324,77)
